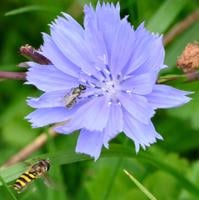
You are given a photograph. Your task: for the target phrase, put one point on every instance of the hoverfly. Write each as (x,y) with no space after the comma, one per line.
(70,99)
(37,170)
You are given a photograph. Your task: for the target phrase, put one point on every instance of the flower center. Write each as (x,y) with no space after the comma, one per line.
(106,85)
(110,88)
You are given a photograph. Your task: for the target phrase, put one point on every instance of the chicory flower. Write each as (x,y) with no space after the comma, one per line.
(118,66)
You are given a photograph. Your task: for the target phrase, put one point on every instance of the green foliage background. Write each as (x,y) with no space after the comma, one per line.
(169,169)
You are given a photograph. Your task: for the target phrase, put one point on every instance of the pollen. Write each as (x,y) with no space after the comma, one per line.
(110,88)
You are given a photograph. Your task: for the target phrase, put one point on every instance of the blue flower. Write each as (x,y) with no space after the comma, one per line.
(117,65)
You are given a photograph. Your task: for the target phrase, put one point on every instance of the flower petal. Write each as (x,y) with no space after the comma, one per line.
(164,96)
(48,78)
(105,30)
(92,115)
(121,50)
(44,116)
(73,45)
(137,106)
(108,19)
(53,53)
(155,58)
(48,99)
(144,59)
(90,142)
(141,134)
(93,35)
(142,84)
(114,124)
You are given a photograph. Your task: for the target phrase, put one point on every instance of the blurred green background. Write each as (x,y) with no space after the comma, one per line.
(105,178)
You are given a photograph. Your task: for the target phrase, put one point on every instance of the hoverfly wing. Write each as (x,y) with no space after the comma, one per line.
(48,181)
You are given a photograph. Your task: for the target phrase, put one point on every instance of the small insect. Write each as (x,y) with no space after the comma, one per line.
(37,170)
(70,99)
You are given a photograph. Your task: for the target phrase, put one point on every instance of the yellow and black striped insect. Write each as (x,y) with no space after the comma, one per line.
(37,170)
(70,99)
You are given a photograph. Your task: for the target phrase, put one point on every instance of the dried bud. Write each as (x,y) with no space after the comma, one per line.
(32,54)
(189,59)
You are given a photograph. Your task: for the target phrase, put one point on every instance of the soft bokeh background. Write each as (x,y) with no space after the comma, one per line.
(105,178)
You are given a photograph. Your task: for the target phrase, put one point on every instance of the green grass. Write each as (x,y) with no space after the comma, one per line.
(169,169)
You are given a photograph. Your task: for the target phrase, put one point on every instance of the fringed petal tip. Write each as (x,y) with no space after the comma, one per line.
(32,122)
(87,154)
(45,116)
(164,96)
(90,143)
(32,102)
(145,146)
(106,145)
(154,35)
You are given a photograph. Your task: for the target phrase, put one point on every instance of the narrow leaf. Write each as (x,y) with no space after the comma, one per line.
(183,181)
(25,9)
(7,189)
(140,186)
(166,14)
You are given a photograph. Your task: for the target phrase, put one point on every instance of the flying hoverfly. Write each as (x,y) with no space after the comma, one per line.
(37,170)
(71,99)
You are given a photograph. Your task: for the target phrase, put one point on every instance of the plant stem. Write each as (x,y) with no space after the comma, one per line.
(193,76)
(13,75)
(181,26)
(172,77)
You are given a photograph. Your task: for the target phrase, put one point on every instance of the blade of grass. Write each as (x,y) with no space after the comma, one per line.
(25,9)
(13,197)
(140,186)
(166,14)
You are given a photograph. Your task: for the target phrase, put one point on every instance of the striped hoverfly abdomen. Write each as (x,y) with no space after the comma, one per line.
(35,171)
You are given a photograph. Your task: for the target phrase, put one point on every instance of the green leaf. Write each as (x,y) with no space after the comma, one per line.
(12,123)
(193,174)
(115,184)
(140,186)
(7,189)
(175,140)
(190,111)
(165,15)
(145,9)
(25,9)
(183,181)
(60,158)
